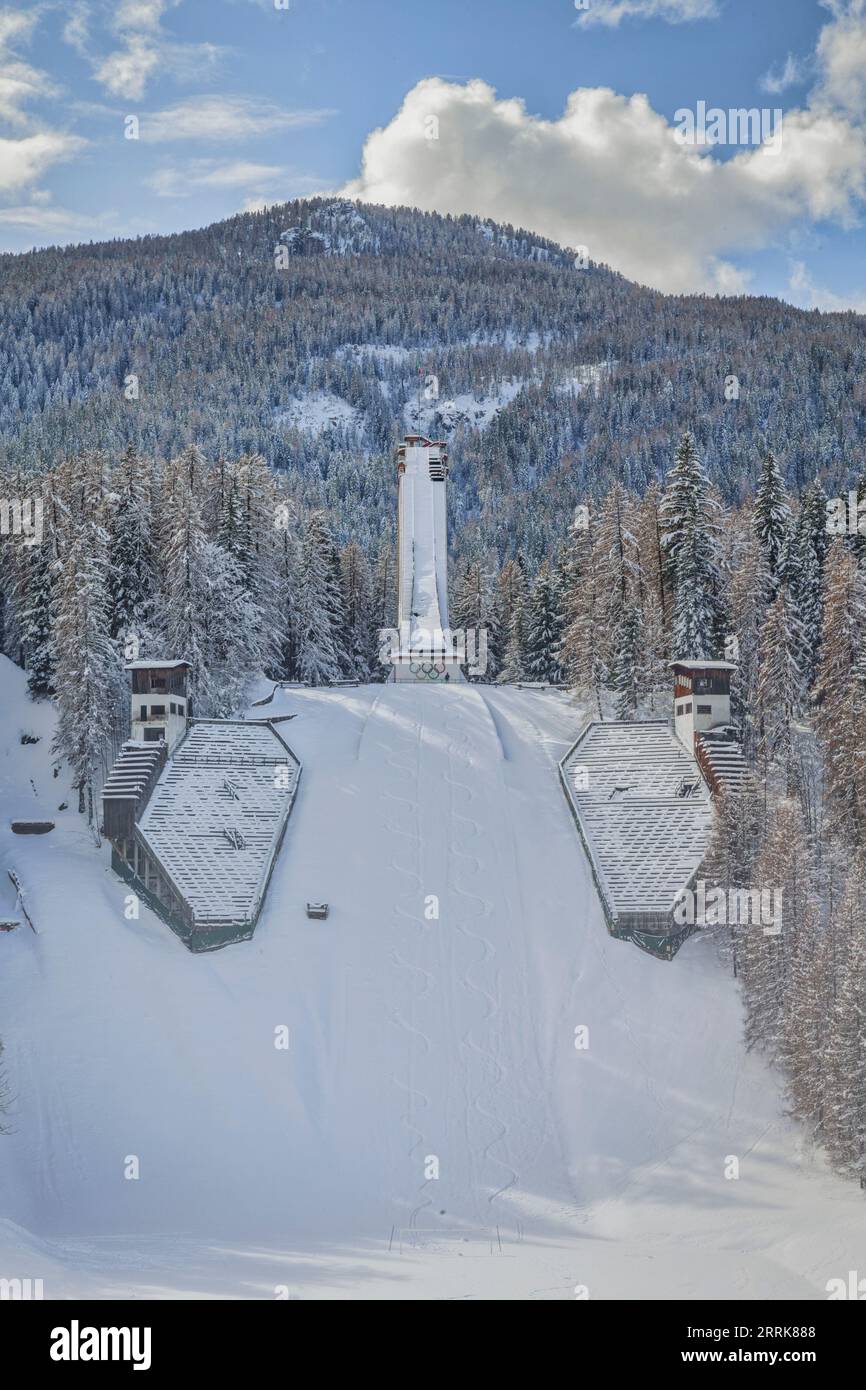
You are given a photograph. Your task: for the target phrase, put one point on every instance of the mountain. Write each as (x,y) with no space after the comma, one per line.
(312,332)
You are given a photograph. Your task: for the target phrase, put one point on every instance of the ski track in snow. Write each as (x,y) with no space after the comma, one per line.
(410,1038)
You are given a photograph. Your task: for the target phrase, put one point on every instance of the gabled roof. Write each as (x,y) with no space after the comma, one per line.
(698,664)
(626,783)
(217,814)
(143,664)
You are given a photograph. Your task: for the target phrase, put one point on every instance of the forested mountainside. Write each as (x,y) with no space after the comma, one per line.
(300,332)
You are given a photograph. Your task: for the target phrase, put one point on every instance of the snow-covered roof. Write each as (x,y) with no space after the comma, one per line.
(646,838)
(698,664)
(143,664)
(217,815)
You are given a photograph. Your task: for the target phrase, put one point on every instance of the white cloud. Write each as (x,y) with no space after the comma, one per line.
(143,46)
(224,119)
(15,24)
(126,71)
(791,72)
(22,162)
(182,182)
(841,58)
(610,174)
(76,30)
(45,218)
(20,83)
(807,295)
(612,12)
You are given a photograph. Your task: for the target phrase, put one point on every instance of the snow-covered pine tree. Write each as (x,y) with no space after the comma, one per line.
(586,639)
(748,592)
(87,670)
(544,628)
(321,655)
(357,605)
(472,612)
(768,958)
(732,856)
(38,575)
(207,617)
(806,562)
(655,598)
(511,617)
(131,557)
(771,520)
(845,1070)
(780,690)
(689,539)
(628,662)
(840,693)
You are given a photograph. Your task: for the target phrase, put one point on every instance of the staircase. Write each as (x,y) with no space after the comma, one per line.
(721,761)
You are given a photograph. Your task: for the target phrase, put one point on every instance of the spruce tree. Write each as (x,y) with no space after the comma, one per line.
(689,532)
(771,520)
(544,628)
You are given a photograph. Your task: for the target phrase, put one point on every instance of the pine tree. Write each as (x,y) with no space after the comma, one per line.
(840,693)
(768,959)
(37,616)
(130,550)
(808,548)
(320,619)
(512,603)
(780,690)
(732,857)
(748,597)
(544,628)
(771,520)
(357,606)
(87,666)
(472,612)
(689,540)
(628,678)
(845,1071)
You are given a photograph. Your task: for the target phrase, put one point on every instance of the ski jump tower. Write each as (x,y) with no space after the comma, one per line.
(426,650)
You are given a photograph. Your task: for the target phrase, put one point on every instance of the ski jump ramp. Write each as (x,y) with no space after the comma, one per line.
(424,649)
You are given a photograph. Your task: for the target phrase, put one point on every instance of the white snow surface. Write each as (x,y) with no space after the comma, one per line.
(316,411)
(215,818)
(647,840)
(465,408)
(411,1037)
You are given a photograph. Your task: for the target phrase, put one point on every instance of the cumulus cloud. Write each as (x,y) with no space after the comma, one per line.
(841,58)
(24,159)
(611,175)
(224,119)
(806,294)
(22,162)
(613,12)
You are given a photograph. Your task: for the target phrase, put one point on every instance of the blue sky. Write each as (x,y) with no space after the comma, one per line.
(535,111)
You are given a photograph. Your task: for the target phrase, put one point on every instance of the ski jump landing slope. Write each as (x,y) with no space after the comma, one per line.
(431,1129)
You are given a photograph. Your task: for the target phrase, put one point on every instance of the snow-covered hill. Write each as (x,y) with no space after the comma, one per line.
(416,1042)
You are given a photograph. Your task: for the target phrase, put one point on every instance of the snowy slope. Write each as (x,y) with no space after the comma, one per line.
(411,1038)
